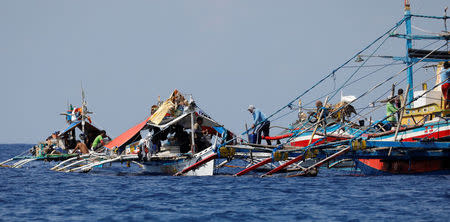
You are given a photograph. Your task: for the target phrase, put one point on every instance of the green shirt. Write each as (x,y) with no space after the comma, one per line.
(390,108)
(97,140)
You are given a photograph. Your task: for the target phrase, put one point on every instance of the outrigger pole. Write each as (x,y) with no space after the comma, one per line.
(198,164)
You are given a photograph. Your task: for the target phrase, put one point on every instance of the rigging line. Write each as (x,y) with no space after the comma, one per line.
(345,63)
(432,43)
(396,83)
(431,17)
(331,113)
(371,111)
(351,83)
(393,114)
(377,99)
(371,89)
(383,95)
(375,123)
(367,75)
(404,79)
(389,64)
(423,30)
(356,71)
(408,67)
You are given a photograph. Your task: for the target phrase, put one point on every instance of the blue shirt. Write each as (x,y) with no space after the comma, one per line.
(445,74)
(258,116)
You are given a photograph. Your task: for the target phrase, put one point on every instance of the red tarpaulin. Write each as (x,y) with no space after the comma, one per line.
(127,135)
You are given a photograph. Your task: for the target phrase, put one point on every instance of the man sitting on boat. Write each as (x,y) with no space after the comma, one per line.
(264,124)
(320,114)
(81,148)
(99,141)
(445,87)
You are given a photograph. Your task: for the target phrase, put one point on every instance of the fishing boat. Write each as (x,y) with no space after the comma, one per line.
(425,121)
(176,135)
(179,138)
(417,143)
(60,144)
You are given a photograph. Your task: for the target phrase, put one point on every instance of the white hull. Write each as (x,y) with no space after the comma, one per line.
(170,167)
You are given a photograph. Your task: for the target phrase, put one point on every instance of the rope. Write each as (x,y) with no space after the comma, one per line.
(401,80)
(368,91)
(334,71)
(351,83)
(378,65)
(354,73)
(430,17)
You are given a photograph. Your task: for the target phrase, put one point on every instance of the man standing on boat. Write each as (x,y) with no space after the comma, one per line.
(260,120)
(399,101)
(445,87)
(390,110)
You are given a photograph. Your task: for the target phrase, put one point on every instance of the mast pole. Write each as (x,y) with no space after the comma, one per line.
(409,70)
(192,127)
(192,134)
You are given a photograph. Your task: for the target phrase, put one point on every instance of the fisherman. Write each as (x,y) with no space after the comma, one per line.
(399,101)
(264,125)
(199,135)
(157,136)
(81,148)
(445,87)
(399,98)
(390,109)
(182,138)
(99,141)
(319,108)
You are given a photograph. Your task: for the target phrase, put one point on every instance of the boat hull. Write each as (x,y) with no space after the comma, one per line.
(413,162)
(411,166)
(171,167)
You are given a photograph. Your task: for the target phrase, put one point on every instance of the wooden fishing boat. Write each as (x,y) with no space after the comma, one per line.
(419,144)
(166,142)
(58,147)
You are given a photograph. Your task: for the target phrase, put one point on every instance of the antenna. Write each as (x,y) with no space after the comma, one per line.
(83,108)
(445,23)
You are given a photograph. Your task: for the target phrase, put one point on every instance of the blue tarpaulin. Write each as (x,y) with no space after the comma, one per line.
(220,130)
(70,127)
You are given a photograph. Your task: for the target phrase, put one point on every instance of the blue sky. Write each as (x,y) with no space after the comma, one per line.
(228,54)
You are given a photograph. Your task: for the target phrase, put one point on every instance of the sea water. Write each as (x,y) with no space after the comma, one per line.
(36,193)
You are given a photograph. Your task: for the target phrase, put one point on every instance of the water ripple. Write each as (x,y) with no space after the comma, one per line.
(34,194)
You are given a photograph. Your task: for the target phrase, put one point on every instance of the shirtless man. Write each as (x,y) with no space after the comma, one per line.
(81,147)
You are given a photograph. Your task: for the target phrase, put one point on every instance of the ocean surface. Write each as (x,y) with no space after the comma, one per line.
(34,193)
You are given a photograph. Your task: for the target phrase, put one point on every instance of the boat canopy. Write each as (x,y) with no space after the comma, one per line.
(88,128)
(174,111)
(185,121)
(127,135)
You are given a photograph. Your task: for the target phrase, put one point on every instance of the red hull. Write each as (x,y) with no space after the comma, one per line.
(405,166)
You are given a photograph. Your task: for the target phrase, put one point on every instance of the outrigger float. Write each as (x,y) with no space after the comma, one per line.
(179,138)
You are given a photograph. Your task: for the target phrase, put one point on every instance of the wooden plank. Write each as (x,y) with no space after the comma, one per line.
(246,170)
(320,163)
(282,166)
